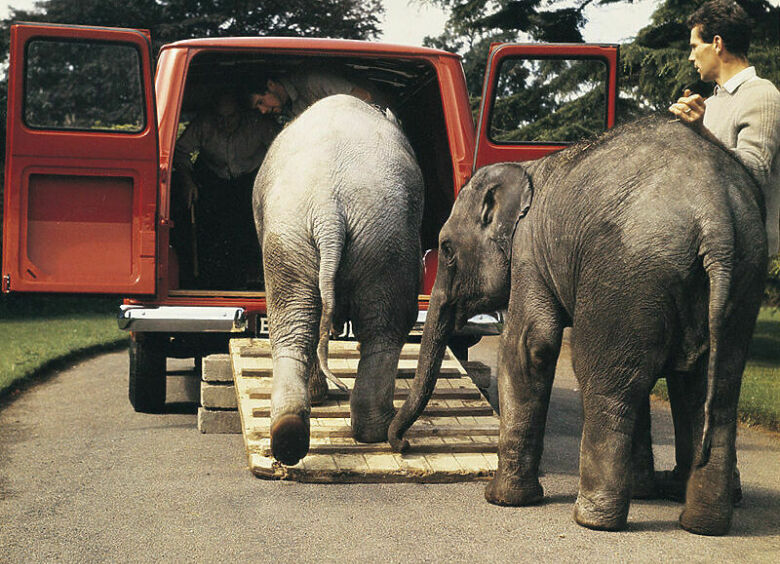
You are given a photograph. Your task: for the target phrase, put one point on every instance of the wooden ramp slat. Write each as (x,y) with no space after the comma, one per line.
(438,393)
(455,439)
(417,431)
(342,411)
(384,448)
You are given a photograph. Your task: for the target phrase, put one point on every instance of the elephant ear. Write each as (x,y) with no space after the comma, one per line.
(505,203)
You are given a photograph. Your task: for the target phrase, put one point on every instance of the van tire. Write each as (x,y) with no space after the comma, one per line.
(148,352)
(460,344)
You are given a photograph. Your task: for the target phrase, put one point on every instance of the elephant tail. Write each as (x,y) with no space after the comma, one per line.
(720,285)
(330,247)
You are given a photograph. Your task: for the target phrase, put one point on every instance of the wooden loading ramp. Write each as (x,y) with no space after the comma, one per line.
(454,440)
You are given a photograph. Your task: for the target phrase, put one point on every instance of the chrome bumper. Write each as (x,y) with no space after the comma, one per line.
(483,324)
(181,319)
(191,319)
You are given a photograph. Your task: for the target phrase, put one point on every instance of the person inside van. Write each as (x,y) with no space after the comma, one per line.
(290,95)
(216,160)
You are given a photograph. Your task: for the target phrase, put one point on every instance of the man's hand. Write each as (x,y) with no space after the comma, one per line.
(689,109)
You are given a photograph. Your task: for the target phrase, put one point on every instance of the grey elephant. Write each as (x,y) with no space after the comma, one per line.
(338,205)
(649,242)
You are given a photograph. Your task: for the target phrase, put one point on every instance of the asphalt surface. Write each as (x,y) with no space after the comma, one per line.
(83,478)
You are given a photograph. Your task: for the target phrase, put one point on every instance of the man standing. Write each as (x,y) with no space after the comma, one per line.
(230,141)
(744,111)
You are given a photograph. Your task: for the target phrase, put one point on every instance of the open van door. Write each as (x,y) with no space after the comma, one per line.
(540,98)
(81,171)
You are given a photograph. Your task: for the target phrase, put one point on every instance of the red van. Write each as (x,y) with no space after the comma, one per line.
(90,144)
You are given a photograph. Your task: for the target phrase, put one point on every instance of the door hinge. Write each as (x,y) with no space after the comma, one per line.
(7,283)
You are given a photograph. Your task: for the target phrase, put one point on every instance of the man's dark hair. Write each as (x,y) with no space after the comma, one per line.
(727,19)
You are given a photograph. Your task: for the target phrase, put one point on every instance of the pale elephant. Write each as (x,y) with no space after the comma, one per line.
(338,205)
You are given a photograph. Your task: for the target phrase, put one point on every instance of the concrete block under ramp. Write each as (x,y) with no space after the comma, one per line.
(214,421)
(218,413)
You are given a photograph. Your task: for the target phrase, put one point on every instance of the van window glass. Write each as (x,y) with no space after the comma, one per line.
(84,86)
(549,100)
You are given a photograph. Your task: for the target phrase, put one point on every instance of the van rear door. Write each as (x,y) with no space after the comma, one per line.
(540,98)
(81,171)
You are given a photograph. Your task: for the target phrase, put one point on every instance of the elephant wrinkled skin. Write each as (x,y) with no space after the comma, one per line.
(338,206)
(648,241)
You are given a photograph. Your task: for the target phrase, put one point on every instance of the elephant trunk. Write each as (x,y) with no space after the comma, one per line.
(439,325)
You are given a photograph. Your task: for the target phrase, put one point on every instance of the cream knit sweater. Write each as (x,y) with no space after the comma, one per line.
(745,116)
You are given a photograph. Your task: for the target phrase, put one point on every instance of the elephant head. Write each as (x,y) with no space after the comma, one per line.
(473,273)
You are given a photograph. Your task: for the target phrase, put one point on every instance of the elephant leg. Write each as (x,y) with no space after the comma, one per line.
(318,385)
(527,358)
(670,484)
(616,360)
(383,309)
(293,326)
(709,493)
(605,462)
(371,402)
(642,454)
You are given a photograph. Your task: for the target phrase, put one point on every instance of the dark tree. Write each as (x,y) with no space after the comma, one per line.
(171,20)
(538,99)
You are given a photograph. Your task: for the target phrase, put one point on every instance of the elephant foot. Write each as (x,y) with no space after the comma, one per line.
(601,511)
(318,387)
(644,489)
(290,438)
(704,521)
(736,489)
(501,491)
(644,485)
(670,484)
(708,497)
(371,429)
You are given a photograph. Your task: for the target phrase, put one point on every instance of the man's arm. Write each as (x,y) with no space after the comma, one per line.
(758,131)
(325,84)
(186,145)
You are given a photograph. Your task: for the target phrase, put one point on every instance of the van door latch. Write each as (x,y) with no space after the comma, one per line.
(7,282)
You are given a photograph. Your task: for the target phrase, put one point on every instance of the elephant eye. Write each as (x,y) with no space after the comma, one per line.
(447,252)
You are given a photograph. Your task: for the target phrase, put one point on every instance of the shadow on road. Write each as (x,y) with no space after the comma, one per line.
(180,408)
(747,518)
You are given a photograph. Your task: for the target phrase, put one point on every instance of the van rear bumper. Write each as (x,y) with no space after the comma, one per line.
(182,319)
(216,319)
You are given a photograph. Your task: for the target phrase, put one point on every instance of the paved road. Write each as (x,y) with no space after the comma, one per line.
(84,478)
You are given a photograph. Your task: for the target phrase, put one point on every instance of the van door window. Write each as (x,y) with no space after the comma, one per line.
(77,85)
(549,100)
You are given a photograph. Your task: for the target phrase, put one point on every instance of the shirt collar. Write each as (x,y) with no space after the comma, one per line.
(738,79)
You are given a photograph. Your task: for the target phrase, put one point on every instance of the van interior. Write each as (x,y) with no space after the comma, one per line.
(408,86)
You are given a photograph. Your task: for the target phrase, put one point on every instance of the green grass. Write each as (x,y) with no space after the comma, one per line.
(759,398)
(37,331)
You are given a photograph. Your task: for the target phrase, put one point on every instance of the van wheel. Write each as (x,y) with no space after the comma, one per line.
(459,345)
(148,353)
